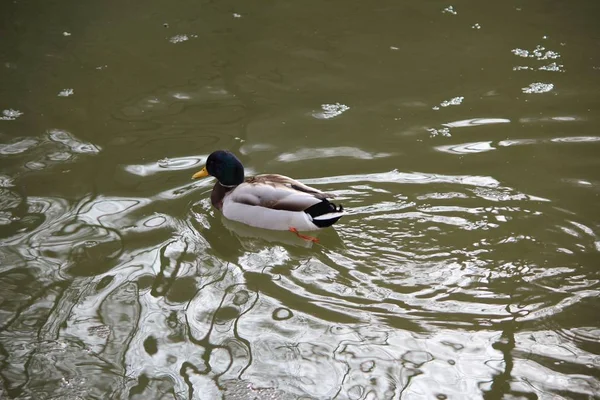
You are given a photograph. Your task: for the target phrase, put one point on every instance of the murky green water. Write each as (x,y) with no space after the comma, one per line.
(464,141)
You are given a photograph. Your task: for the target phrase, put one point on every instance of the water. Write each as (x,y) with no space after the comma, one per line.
(462,137)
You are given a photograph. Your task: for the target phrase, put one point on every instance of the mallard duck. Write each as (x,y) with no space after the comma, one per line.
(267,201)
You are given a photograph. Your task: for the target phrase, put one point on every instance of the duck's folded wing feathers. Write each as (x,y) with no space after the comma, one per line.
(274,196)
(276,179)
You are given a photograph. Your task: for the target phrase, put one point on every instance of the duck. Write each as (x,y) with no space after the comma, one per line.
(268,201)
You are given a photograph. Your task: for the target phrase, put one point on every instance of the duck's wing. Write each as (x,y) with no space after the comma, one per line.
(275,179)
(277,192)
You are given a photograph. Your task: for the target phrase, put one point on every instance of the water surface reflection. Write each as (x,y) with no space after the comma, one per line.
(414,294)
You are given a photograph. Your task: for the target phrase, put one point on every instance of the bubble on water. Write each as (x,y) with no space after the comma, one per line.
(455,101)
(181,38)
(331,111)
(10,114)
(539,53)
(66,33)
(236,15)
(520,52)
(476,26)
(553,67)
(449,10)
(439,132)
(66,93)
(282,313)
(538,87)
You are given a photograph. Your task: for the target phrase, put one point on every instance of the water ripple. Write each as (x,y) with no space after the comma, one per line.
(405,177)
(166,164)
(485,146)
(467,148)
(476,122)
(417,280)
(312,153)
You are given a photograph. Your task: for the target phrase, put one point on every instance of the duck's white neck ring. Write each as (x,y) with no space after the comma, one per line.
(227,186)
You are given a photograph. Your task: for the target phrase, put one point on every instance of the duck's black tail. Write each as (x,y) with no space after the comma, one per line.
(325,213)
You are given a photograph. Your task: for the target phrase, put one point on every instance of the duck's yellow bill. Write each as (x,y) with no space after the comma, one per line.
(200,174)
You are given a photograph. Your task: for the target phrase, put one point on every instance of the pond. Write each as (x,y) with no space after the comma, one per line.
(462,138)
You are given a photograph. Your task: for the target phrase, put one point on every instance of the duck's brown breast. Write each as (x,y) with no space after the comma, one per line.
(218,194)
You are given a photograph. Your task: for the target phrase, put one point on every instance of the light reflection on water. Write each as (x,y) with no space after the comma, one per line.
(386,304)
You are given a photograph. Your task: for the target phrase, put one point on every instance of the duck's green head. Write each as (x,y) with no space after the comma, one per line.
(224,166)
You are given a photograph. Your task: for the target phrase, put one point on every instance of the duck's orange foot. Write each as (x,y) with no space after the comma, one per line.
(305,237)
